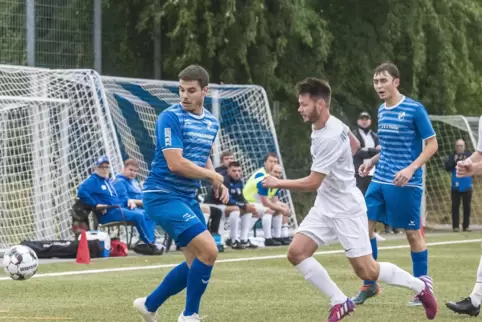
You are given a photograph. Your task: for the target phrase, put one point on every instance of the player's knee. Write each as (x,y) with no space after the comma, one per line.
(208,256)
(415,239)
(296,255)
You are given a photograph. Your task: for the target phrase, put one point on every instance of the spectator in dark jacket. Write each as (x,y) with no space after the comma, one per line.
(461,187)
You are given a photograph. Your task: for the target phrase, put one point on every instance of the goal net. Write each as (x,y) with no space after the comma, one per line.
(243,111)
(53,126)
(437,181)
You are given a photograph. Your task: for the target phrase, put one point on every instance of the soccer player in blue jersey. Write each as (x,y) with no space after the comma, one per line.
(395,194)
(185,134)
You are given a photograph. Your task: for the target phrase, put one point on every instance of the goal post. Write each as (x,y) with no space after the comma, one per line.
(53,127)
(437,206)
(246,124)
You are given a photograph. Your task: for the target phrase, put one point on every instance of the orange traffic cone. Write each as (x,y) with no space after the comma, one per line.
(83,254)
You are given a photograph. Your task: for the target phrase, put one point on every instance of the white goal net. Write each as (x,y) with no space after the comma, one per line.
(437,201)
(243,111)
(53,126)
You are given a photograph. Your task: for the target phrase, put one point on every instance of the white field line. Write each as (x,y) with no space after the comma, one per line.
(230,260)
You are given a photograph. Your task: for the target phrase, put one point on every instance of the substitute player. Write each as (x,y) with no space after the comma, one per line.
(394,196)
(339,212)
(185,134)
(467,168)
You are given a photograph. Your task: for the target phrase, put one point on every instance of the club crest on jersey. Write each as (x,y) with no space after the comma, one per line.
(401,115)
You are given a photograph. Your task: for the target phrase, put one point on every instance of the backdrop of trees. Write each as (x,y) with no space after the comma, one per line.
(435,43)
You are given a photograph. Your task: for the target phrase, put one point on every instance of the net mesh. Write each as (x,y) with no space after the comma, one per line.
(438,206)
(247,128)
(53,126)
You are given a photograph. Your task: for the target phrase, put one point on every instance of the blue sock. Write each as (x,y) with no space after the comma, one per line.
(197,281)
(373,242)
(174,282)
(420,263)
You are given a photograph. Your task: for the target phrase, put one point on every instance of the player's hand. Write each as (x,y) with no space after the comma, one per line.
(365,168)
(464,168)
(223,194)
(216,179)
(252,209)
(270,182)
(403,177)
(131,204)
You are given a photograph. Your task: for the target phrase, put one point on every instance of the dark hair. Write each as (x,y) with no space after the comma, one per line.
(270,154)
(316,88)
(131,162)
(195,73)
(234,164)
(388,67)
(226,154)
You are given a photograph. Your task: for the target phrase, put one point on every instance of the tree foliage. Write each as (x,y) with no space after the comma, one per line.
(435,43)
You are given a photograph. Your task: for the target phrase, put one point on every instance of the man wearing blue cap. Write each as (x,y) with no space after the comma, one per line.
(98,192)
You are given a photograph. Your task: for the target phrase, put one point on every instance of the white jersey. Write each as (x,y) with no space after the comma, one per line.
(338,195)
(479,145)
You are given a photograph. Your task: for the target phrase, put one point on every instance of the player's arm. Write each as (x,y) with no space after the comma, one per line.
(168,132)
(209,165)
(354,144)
(431,147)
(326,153)
(309,183)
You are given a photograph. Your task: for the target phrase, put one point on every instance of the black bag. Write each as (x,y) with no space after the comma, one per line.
(62,248)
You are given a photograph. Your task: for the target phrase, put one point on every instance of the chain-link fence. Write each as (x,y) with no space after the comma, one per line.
(48,33)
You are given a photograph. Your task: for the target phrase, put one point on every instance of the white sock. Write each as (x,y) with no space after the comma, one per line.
(476,296)
(394,275)
(277,222)
(316,274)
(245,226)
(267,226)
(284,231)
(233,225)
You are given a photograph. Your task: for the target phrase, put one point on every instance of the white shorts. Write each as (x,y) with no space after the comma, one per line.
(352,232)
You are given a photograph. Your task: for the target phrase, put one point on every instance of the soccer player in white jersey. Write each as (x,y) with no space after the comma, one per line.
(467,168)
(339,212)
(394,196)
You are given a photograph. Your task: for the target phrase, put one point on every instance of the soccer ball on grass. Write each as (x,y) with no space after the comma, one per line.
(20,262)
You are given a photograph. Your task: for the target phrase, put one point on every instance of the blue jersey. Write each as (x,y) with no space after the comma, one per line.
(191,133)
(127,188)
(402,130)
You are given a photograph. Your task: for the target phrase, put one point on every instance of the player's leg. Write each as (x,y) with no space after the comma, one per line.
(246,226)
(313,231)
(233,214)
(352,234)
(455,210)
(176,218)
(144,225)
(376,211)
(267,222)
(466,202)
(284,235)
(471,304)
(403,211)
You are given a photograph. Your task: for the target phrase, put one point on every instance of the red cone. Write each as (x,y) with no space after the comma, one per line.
(83,254)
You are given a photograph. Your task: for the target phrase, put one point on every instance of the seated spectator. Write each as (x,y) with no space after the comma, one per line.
(238,210)
(127,187)
(226,158)
(274,213)
(98,192)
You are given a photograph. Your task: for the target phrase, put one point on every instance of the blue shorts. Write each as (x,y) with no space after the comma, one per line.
(398,207)
(179,216)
